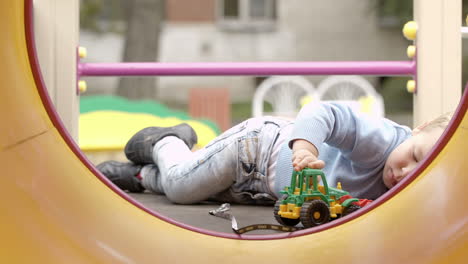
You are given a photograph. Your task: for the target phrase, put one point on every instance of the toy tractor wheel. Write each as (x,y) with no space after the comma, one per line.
(282,220)
(314,213)
(351,208)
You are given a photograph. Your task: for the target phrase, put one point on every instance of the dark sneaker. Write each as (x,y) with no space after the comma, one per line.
(139,148)
(122,174)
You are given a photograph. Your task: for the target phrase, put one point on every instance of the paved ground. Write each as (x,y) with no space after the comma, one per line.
(198,216)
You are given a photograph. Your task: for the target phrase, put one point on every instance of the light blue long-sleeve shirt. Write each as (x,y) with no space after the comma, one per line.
(354,147)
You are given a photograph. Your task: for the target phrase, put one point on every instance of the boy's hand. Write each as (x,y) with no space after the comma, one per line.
(305,155)
(303,158)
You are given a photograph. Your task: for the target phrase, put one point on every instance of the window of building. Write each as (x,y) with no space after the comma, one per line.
(247,15)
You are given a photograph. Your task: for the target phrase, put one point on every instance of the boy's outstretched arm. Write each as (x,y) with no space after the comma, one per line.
(364,140)
(305,155)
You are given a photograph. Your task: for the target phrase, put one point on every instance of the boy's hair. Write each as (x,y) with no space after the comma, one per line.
(441,121)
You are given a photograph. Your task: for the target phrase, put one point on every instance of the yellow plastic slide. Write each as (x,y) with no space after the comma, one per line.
(55,208)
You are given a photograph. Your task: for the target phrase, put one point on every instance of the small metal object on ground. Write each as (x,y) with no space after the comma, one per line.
(224,211)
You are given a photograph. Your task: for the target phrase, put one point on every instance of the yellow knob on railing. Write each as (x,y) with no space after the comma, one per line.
(411,86)
(410,29)
(82,86)
(82,52)
(411,51)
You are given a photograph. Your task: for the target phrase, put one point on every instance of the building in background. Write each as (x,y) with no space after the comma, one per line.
(257,30)
(270,30)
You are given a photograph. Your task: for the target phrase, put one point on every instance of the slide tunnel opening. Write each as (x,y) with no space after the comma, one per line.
(442,142)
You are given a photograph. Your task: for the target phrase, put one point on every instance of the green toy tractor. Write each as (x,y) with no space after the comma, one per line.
(312,204)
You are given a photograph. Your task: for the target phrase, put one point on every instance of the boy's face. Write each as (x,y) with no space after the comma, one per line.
(406,156)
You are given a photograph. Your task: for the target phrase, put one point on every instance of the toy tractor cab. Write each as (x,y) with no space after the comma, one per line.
(312,204)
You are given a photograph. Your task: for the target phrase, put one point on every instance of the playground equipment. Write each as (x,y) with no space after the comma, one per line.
(352,90)
(108,122)
(284,94)
(345,88)
(287,94)
(57,208)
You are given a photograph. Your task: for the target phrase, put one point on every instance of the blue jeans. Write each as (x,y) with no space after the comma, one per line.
(231,168)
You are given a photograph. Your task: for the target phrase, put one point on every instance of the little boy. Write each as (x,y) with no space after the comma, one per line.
(251,162)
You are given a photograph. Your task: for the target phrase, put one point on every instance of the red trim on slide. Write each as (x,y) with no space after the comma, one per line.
(29,30)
